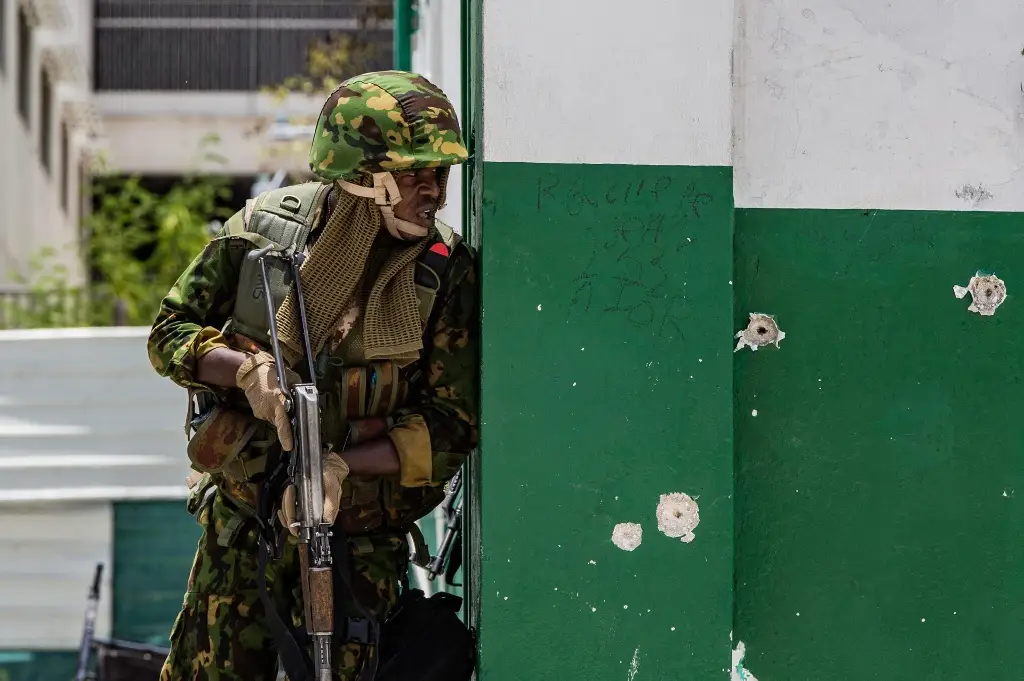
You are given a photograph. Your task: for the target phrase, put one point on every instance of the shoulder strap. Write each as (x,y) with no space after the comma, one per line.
(284,216)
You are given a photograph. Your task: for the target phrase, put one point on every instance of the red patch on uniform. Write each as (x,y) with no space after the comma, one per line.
(440,249)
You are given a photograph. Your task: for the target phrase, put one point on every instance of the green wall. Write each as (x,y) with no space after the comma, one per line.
(606,383)
(878,488)
(38,665)
(154,544)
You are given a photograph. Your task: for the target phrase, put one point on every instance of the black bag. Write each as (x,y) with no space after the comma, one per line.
(128,661)
(424,640)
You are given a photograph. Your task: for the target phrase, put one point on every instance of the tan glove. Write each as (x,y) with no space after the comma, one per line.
(257,377)
(335,472)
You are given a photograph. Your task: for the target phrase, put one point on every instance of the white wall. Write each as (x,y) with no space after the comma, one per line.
(437,55)
(160,133)
(49,559)
(32,216)
(880,104)
(83,417)
(645,82)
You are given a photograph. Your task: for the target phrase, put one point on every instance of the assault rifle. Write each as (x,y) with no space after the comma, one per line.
(305,471)
(89,631)
(452,509)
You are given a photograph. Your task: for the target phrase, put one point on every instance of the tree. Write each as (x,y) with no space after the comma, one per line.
(135,244)
(330,61)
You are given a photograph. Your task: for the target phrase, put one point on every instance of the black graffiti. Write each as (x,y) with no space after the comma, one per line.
(576,196)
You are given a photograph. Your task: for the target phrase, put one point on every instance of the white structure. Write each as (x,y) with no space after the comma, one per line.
(44,121)
(437,55)
(73,440)
(873,104)
(53,119)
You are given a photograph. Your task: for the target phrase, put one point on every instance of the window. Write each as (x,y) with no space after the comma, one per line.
(24,65)
(64,170)
(45,117)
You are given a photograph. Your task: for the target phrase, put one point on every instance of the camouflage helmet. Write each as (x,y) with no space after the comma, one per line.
(385,121)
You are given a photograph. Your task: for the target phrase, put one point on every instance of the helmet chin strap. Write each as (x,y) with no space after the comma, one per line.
(385,194)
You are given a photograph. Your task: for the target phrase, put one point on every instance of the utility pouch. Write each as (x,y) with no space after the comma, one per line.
(221,435)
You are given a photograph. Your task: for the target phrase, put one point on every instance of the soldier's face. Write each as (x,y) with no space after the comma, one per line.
(421,191)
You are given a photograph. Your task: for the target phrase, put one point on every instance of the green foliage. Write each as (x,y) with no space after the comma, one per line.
(329,62)
(139,242)
(135,243)
(339,56)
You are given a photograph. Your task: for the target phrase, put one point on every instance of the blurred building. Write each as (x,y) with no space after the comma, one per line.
(139,85)
(92,459)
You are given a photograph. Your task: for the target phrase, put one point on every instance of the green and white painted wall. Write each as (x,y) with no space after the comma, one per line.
(654,173)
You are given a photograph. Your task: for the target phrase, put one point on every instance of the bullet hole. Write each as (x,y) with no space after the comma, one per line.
(987,293)
(678,515)
(627,536)
(762,330)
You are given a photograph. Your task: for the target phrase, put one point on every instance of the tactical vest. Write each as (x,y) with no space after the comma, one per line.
(286,217)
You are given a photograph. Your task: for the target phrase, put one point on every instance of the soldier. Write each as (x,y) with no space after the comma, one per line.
(391,296)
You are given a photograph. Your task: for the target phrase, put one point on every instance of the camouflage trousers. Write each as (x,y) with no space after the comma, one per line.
(221,633)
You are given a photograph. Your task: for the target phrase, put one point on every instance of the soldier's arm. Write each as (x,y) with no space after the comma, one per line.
(434,434)
(185,343)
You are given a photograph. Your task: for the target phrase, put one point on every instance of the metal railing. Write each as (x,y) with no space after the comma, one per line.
(22,307)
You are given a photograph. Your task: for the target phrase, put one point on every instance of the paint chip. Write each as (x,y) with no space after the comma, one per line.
(738,672)
(753,413)
(538,308)
(634,666)
(678,515)
(761,331)
(987,293)
(627,536)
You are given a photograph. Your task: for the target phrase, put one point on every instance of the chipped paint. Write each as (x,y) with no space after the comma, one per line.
(762,330)
(678,516)
(738,672)
(987,293)
(627,536)
(634,666)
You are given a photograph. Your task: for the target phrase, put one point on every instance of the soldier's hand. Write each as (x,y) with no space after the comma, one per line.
(335,472)
(257,377)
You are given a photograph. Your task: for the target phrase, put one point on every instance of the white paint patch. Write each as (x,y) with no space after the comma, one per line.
(525,60)
(987,293)
(634,666)
(738,673)
(678,516)
(839,102)
(627,536)
(761,331)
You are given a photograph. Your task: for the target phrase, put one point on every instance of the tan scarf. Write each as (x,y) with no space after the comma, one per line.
(332,271)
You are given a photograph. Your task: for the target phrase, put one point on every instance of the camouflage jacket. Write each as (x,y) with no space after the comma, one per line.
(440,390)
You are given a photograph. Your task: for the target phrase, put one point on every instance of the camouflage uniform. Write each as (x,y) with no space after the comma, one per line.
(221,632)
